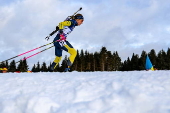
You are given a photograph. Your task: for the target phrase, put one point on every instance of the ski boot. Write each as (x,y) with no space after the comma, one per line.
(52,67)
(67,70)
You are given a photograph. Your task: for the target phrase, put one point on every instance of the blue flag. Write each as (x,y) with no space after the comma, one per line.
(148,64)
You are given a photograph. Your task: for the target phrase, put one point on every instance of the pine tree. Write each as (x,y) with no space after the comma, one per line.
(161,60)
(82,61)
(7,65)
(25,66)
(153,57)
(128,65)
(97,61)
(33,68)
(91,61)
(87,62)
(134,62)
(12,66)
(37,68)
(168,59)
(109,61)
(49,67)
(22,66)
(142,60)
(116,61)
(44,67)
(2,65)
(123,66)
(103,58)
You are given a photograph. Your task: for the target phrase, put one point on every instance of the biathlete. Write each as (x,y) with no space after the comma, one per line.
(61,43)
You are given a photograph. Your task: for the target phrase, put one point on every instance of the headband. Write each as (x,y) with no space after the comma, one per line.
(79,17)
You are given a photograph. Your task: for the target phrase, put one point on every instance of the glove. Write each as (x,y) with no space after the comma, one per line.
(62,37)
(47,38)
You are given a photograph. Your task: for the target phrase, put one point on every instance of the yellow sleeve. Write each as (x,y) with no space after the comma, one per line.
(65,23)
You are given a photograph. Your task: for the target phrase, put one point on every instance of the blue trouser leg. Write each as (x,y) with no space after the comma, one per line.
(58,52)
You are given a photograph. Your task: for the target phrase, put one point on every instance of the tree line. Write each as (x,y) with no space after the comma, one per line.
(160,61)
(103,60)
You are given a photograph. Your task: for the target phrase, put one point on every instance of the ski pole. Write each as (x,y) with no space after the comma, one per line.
(57,28)
(35,54)
(28,52)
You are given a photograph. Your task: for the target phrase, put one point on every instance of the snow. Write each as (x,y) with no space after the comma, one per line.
(85,92)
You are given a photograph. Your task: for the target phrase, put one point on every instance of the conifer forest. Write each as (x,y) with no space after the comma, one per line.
(103,60)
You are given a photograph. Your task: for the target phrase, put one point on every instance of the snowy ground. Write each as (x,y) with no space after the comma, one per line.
(85,92)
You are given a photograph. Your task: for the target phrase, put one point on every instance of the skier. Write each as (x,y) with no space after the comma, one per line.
(61,43)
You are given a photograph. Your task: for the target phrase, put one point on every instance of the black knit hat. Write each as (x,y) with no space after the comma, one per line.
(78,16)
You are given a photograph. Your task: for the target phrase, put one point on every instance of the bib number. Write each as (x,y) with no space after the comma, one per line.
(62,43)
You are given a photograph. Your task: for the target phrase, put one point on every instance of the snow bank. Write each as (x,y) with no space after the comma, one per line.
(90,92)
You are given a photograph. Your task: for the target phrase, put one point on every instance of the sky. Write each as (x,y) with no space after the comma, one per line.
(125,26)
(85,92)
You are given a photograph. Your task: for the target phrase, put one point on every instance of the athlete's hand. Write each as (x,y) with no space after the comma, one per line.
(62,37)
(47,38)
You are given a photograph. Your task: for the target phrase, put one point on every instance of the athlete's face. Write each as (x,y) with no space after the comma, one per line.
(79,21)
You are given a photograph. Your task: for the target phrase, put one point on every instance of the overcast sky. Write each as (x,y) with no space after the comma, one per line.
(125,26)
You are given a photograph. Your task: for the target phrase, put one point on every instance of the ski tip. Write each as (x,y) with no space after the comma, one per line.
(80,8)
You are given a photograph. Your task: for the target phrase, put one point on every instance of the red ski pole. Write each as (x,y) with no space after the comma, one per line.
(35,54)
(27,52)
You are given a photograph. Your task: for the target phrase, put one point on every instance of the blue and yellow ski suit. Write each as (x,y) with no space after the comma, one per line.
(60,45)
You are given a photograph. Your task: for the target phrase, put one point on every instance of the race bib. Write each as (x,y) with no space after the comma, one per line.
(62,43)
